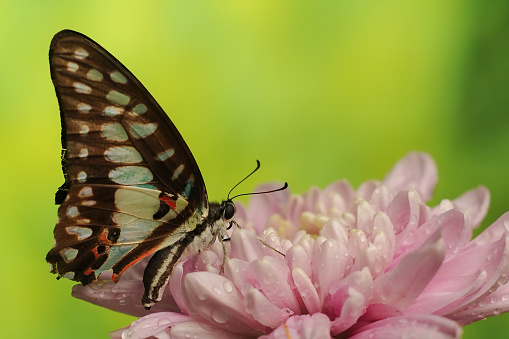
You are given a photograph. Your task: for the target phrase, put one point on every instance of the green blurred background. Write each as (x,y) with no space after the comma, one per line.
(317,90)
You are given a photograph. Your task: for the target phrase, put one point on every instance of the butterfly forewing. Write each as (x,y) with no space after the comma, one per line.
(132,185)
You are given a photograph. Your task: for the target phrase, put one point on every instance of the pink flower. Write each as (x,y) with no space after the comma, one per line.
(375,262)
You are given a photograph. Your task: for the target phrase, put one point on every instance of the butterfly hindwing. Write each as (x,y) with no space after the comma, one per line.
(131,185)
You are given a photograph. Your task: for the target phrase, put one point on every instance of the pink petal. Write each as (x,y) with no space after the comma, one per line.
(456,232)
(476,203)
(365,214)
(302,327)
(400,286)
(442,292)
(329,253)
(334,229)
(410,326)
(198,329)
(404,212)
(366,189)
(498,229)
(381,197)
(491,305)
(344,190)
(306,291)
(238,272)
(215,299)
(415,171)
(124,296)
(154,324)
(372,258)
(297,257)
(246,246)
(490,261)
(348,300)
(274,280)
(263,311)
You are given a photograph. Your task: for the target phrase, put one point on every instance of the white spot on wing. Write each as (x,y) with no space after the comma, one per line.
(177,172)
(83,153)
(69,275)
(166,154)
(84,108)
(95,75)
(81,232)
(89,202)
(111,111)
(118,77)
(72,212)
(80,53)
(140,109)
(82,177)
(80,87)
(72,66)
(130,175)
(142,130)
(114,132)
(85,192)
(118,98)
(83,221)
(69,254)
(84,129)
(123,154)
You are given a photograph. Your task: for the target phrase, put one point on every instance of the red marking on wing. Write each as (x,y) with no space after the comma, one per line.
(103,237)
(170,202)
(116,276)
(94,250)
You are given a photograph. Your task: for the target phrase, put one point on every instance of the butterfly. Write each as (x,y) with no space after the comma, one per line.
(132,186)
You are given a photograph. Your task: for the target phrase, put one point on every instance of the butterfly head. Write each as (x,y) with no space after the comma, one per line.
(228,210)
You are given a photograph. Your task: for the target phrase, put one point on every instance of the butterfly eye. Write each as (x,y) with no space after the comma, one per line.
(229,210)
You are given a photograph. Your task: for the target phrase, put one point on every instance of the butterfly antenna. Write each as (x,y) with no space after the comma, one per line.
(285,186)
(256,169)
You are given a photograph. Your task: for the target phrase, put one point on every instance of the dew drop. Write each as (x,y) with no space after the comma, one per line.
(228,287)
(219,316)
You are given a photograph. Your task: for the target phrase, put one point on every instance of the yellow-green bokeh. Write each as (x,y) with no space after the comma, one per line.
(317,90)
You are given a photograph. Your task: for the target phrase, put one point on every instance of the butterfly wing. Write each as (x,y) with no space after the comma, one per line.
(132,185)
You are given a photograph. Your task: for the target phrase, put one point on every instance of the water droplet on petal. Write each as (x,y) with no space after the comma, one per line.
(219,316)
(228,286)
(128,334)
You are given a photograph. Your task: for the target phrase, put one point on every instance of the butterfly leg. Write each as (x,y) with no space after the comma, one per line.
(221,271)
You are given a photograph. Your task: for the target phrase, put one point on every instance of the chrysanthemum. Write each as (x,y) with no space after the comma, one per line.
(375,262)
